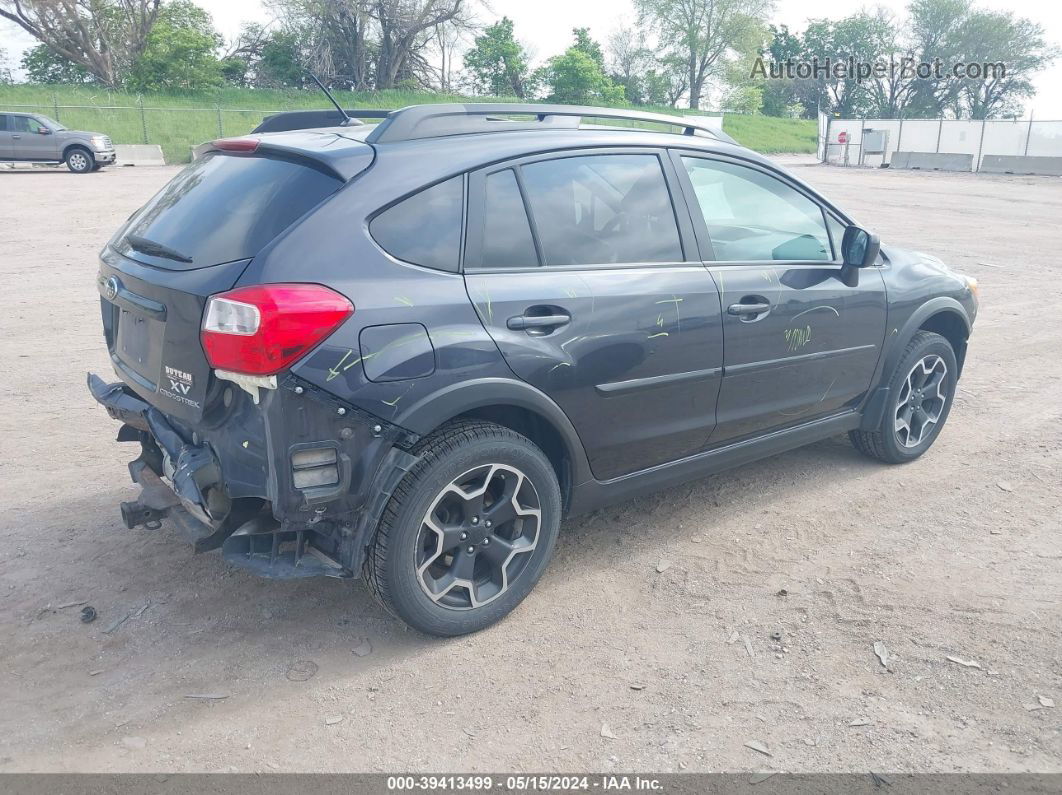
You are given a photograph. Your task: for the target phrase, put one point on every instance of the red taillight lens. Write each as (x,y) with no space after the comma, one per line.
(236,144)
(261,330)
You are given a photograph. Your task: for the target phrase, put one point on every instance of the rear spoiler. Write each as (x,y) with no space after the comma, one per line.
(311,119)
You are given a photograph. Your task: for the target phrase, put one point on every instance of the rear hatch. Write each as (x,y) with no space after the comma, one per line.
(193,239)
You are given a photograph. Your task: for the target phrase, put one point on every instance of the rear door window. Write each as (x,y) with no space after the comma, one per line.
(507,241)
(425,228)
(600,209)
(223,208)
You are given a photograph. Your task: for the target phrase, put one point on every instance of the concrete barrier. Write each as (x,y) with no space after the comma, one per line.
(139,155)
(932,161)
(1018,164)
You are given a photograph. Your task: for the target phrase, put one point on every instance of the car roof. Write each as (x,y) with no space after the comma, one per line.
(445,155)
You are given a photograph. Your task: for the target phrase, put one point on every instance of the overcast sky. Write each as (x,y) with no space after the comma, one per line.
(545,26)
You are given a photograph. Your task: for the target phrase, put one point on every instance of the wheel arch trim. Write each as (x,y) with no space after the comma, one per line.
(433,410)
(895,345)
(76,145)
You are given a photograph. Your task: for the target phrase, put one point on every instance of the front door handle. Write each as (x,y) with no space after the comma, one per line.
(542,322)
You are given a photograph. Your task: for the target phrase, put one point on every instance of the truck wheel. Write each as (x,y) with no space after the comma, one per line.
(920,395)
(468,532)
(80,160)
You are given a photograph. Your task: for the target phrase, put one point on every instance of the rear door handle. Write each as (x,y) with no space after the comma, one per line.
(748,309)
(524,322)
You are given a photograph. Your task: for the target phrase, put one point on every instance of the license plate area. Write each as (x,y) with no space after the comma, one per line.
(139,344)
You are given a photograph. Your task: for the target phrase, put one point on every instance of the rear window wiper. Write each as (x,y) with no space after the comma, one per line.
(145,246)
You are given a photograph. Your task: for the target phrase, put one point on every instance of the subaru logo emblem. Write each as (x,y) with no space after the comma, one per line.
(110,289)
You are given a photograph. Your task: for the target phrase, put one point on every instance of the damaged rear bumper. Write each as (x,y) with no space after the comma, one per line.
(268,525)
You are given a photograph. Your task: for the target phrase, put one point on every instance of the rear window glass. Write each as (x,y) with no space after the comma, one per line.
(223,208)
(424,229)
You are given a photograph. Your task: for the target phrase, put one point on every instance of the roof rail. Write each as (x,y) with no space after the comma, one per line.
(309,119)
(432,121)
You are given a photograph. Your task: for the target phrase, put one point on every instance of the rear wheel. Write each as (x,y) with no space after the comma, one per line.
(80,160)
(920,395)
(468,532)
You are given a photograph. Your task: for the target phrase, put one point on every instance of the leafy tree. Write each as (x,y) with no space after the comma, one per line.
(933,27)
(629,59)
(584,43)
(862,37)
(954,33)
(180,52)
(5,70)
(497,63)
(782,96)
(666,82)
(575,78)
(703,33)
(995,38)
(103,36)
(406,27)
(43,65)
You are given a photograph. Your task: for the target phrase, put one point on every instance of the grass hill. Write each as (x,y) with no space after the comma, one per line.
(178,122)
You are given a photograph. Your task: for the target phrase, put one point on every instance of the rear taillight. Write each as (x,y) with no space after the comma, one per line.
(261,330)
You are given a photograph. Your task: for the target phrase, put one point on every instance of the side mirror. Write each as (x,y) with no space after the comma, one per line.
(44,131)
(859,249)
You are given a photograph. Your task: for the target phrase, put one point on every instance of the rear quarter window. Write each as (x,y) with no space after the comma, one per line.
(425,228)
(228,207)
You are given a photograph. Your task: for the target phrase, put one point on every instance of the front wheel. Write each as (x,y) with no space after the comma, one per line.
(921,390)
(80,161)
(468,532)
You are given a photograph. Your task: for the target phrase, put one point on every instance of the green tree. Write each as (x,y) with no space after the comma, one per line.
(180,52)
(703,34)
(281,60)
(103,36)
(584,43)
(497,63)
(43,65)
(5,70)
(862,37)
(575,78)
(782,96)
(993,39)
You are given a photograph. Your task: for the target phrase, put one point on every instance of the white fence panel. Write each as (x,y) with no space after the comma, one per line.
(1045,139)
(960,137)
(920,135)
(845,139)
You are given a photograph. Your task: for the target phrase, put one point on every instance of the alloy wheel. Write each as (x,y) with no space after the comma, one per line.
(920,403)
(78,161)
(478,536)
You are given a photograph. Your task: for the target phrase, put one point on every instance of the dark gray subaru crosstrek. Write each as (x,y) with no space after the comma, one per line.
(410,349)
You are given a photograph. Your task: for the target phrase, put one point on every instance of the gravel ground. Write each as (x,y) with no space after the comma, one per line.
(649,644)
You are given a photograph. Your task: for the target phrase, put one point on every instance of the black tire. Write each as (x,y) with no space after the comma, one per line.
(890,442)
(404,545)
(80,160)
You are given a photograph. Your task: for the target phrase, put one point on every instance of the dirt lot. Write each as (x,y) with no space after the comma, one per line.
(615,661)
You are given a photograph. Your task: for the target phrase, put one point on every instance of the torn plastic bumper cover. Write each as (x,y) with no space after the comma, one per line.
(328,477)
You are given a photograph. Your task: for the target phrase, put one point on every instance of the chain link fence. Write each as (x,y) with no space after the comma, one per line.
(176,130)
